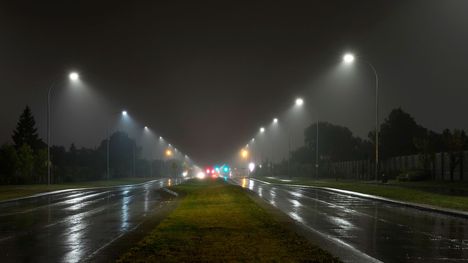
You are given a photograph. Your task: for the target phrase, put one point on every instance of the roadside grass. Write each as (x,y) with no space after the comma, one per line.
(17,191)
(217,222)
(415,192)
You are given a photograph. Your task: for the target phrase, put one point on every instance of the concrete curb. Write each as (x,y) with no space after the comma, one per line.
(430,208)
(73,189)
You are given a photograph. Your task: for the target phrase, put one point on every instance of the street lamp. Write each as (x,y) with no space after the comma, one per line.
(349,59)
(275,120)
(299,102)
(73,76)
(262,130)
(123,113)
(244,154)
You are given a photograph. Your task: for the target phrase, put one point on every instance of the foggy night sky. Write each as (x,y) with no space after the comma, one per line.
(206,75)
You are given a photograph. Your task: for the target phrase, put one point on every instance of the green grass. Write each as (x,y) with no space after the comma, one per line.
(217,222)
(415,192)
(16,191)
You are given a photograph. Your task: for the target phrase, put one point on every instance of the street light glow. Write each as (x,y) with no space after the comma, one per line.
(74,76)
(168,153)
(348,58)
(146,128)
(161,138)
(275,120)
(244,154)
(299,102)
(262,130)
(124,113)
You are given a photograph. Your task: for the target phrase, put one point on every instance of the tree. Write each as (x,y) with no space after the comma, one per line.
(455,142)
(40,165)
(8,164)
(427,147)
(26,132)
(336,143)
(397,134)
(25,163)
(121,148)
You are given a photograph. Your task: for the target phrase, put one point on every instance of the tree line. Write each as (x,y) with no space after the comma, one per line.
(399,135)
(25,160)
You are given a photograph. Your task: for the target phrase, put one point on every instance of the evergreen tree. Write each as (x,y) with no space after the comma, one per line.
(26,131)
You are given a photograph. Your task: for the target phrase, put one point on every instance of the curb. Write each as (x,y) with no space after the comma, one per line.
(429,208)
(73,189)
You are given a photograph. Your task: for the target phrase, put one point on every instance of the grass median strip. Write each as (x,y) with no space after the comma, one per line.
(420,193)
(219,222)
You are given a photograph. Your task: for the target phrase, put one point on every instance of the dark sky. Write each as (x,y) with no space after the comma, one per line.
(206,75)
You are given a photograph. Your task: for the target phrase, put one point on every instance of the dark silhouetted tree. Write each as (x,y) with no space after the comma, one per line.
(26,131)
(336,143)
(397,134)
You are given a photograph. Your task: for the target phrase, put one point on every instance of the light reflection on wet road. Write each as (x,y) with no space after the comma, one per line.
(382,231)
(71,226)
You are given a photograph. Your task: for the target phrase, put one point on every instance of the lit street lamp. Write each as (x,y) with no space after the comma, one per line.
(244,154)
(349,59)
(73,76)
(123,113)
(299,102)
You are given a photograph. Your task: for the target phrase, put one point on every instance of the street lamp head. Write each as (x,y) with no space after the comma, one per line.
(244,154)
(253,140)
(262,130)
(275,120)
(348,58)
(146,128)
(73,76)
(124,113)
(299,102)
(161,138)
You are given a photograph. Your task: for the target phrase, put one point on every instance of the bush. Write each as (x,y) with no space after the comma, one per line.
(413,176)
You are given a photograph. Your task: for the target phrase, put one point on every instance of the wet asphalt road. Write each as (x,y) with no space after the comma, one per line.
(362,230)
(73,226)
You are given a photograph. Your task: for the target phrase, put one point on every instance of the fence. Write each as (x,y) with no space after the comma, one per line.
(439,168)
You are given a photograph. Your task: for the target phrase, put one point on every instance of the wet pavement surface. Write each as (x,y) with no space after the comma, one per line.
(369,230)
(74,226)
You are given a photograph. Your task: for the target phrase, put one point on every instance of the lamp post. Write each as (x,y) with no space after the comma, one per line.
(73,76)
(123,113)
(349,59)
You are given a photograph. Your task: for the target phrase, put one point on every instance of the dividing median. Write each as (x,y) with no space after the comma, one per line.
(219,222)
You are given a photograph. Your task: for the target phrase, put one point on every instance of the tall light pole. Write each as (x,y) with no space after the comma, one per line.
(73,76)
(317,147)
(349,59)
(123,113)
(299,102)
